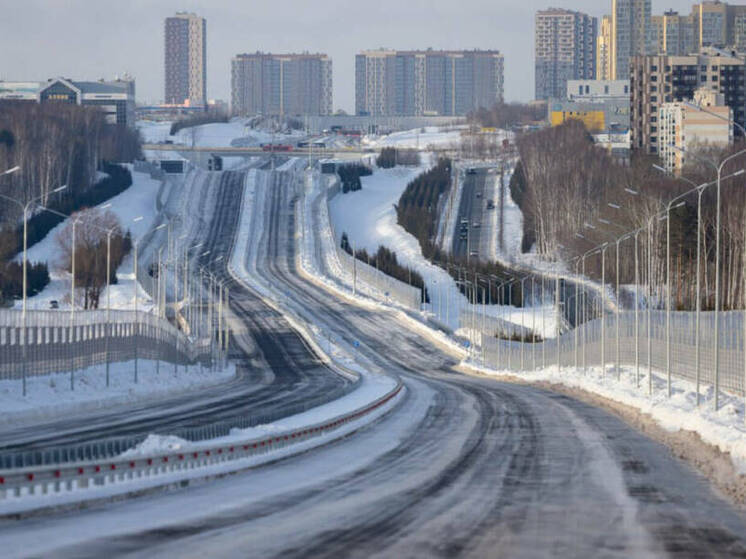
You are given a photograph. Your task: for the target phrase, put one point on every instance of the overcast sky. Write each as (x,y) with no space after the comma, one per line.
(89,39)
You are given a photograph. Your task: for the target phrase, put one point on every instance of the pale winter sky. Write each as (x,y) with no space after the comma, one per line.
(89,39)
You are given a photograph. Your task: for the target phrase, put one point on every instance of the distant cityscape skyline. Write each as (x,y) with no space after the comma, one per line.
(135,45)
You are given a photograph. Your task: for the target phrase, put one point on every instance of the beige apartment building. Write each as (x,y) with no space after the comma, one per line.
(659,79)
(683,127)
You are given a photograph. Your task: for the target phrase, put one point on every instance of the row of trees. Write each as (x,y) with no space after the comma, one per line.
(56,144)
(574,197)
(198,120)
(386,261)
(350,174)
(418,207)
(508,115)
(391,157)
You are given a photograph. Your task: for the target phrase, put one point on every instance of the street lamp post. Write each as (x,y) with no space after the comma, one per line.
(719,168)
(25,209)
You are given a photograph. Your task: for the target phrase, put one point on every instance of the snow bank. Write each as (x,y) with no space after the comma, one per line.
(724,429)
(49,396)
(429,136)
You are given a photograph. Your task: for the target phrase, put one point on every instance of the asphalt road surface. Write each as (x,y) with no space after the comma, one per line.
(473,200)
(277,372)
(464,467)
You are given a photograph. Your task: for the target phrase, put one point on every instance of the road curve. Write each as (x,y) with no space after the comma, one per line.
(277,373)
(465,467)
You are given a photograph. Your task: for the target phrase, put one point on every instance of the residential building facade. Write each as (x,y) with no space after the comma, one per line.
(565,46)
(720,24)
(630,34)
(603,50)
(659,79)
(684,127)
(597,90)
(427,83)
(281,84)
(185,60)
(673,34)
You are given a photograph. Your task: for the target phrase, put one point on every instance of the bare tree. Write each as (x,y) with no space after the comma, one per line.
(90,251)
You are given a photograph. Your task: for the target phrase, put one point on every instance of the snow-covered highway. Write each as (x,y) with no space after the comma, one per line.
(464,466)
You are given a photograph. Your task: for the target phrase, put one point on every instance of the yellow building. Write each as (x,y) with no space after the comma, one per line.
(593,119)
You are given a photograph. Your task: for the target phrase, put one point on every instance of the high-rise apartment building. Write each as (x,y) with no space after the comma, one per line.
(603,50)
(281,84)
(186,59)
(673,34)
(659,79)
(565,44)
(429,82)
(719,24)
(630,34)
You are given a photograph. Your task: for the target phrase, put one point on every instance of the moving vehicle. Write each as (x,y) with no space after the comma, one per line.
(490,204)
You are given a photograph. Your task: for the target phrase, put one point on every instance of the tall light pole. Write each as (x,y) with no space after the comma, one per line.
(25,209)
(134,283)
(719,168)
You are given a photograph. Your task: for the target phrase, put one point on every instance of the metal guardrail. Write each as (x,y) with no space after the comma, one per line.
(93,472)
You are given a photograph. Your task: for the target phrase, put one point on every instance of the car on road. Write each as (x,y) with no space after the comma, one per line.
(474,253)
(490,204)
(479,194)
(476,225)
(471,171)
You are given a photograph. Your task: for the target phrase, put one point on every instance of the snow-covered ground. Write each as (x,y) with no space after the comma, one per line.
(369,219)
(418,138)
(139,200)
(218,134)
(49,396)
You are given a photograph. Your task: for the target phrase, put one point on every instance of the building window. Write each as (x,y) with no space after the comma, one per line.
(654,68)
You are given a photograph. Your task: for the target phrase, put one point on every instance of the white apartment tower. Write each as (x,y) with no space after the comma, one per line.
(185,59)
